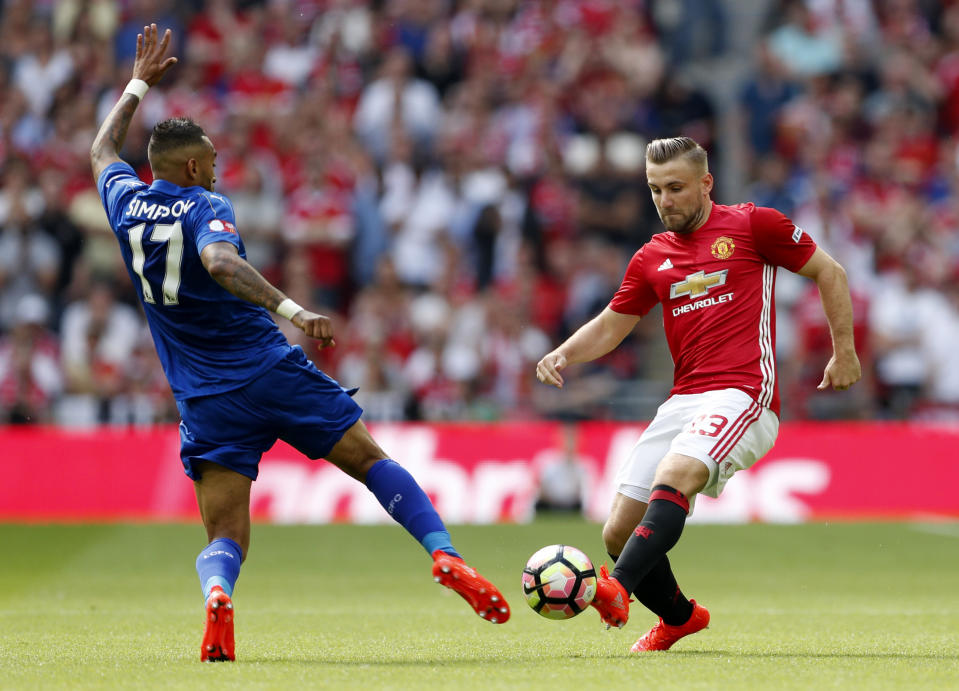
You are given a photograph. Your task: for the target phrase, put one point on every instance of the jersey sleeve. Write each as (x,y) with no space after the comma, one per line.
(116,184)
(780,241)
(635,294)
(215,221)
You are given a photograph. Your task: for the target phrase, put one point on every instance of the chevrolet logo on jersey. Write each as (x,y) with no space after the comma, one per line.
(697,284)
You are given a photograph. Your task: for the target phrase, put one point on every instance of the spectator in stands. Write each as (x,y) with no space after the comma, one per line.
(397,99)
(42,69)
(485,146)
(98,338)
(30,376)
(29,261)
(903,316)
(941,390)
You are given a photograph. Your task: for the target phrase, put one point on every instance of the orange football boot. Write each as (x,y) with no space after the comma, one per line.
(662,635)
(484,597)
(611,600)
(218,637)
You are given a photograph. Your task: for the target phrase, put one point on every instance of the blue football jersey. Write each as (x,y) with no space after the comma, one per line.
(209,341)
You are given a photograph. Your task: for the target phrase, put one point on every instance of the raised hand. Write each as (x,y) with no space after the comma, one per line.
(149,64)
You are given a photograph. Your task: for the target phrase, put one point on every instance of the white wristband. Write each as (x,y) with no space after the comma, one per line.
(137,87)
(288,309)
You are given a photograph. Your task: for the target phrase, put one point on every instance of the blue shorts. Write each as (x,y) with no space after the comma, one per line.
(293,401)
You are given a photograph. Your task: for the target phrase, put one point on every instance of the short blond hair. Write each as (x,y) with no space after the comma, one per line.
(663,150)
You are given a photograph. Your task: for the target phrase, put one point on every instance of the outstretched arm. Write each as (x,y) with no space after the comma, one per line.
(843,369)
(224,263)
(592,340)
(149,66)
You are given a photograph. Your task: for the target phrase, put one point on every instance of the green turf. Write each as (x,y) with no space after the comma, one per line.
(818,606)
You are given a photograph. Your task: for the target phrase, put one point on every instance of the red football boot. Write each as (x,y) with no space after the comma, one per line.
(662,635)
(484,597)
(611,600)
(218,637)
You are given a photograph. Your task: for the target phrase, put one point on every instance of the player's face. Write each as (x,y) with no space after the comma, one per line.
(206,165)
(680,192)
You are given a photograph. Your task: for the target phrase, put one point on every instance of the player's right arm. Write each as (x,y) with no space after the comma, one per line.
(223,262)
(149,66)
(592,340)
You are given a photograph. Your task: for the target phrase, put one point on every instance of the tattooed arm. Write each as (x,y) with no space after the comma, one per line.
(106,147)
(148,66)
(233,272)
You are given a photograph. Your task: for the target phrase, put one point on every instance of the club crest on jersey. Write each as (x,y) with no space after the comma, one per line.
(219,226)
(697,284)
(723,247)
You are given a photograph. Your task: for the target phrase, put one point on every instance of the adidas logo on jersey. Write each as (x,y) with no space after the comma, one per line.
(665,265)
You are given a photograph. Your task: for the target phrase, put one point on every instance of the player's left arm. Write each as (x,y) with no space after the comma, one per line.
(224,263)
(149,66)
(843,369)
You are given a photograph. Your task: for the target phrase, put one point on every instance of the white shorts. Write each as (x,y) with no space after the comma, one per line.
(725,429)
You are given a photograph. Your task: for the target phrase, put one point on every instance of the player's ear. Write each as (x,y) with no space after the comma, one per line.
(192,167)
(707,181)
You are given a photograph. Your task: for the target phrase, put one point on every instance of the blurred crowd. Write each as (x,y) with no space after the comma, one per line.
(459,184)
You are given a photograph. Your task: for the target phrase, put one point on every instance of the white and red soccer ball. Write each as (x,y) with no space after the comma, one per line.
(559,582)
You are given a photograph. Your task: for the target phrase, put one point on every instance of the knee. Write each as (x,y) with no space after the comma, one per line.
(685,474)
(356,453)
(615,536)
(358,467)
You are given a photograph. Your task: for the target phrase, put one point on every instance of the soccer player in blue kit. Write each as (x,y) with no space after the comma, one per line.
(238,384)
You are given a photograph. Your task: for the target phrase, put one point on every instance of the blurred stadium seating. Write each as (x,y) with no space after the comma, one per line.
(460,184)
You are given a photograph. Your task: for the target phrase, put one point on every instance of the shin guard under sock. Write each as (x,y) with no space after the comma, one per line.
(407,503)
(654,536)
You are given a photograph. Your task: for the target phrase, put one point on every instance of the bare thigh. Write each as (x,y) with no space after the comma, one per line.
(223,497)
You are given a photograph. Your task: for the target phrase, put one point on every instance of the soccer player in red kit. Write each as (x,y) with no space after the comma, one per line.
(714,271)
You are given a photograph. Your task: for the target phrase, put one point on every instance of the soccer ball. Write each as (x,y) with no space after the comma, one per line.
(559,582)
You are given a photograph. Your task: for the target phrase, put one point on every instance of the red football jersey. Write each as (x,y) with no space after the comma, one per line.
(716,285)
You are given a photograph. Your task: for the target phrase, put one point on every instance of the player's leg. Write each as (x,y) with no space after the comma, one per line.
(661,525)
(633,482)
(223,497)
(677,478)
(658,591)
(221,440)
(317,416)
(358,454)
(727,432)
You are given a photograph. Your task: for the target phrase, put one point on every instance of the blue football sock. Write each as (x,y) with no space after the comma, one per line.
(219,564)
(407,503)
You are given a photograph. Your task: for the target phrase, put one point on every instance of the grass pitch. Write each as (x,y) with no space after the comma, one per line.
(793,607)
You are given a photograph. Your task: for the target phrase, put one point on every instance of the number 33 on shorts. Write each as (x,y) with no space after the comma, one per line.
(707,425)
